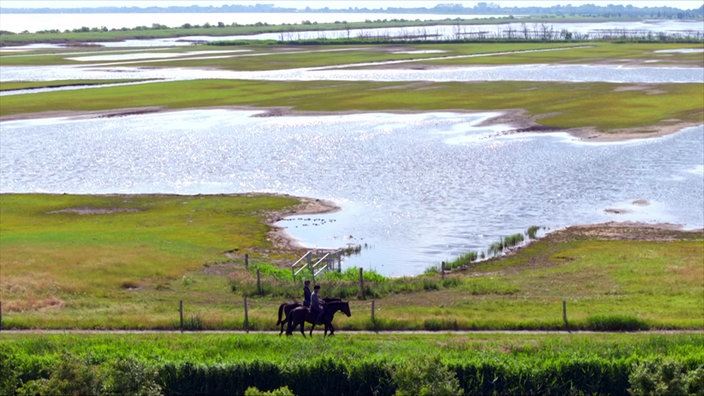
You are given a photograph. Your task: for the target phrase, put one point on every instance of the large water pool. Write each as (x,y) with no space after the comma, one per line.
(415,189)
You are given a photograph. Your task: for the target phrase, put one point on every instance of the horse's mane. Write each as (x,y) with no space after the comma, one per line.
(335,303)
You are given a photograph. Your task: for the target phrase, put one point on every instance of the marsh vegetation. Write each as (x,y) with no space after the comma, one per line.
(128,261)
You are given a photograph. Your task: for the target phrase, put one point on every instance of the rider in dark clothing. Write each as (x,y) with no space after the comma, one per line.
(316,304)
(306,294)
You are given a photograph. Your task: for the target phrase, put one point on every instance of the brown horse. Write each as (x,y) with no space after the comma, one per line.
(301,315)
(286,308)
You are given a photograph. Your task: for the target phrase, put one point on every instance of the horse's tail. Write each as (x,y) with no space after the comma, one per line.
(281,311)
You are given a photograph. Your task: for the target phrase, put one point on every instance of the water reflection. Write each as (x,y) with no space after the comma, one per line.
(415,189)
(530,72)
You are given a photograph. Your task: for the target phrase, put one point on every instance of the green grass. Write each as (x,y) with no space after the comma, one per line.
(233,348)
(130,269)
(561,105)
(356,363)
(84,263)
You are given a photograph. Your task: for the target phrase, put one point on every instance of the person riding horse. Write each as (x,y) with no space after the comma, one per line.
(286,308)
(300,315)
(306,294)
(316,304)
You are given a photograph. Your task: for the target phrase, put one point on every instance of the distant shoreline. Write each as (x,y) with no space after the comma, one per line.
(441,8)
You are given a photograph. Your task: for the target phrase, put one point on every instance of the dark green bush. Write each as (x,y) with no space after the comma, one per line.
(371,378)
(9,374)
(130,377)
(616,323)
(253,391)
(471,373)
(440,324)
(190,379)
(320,377)
(424,377)
(666,377)
(70,376)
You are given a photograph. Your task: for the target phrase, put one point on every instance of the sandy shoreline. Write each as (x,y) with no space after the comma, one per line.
(279,237)
(515,119)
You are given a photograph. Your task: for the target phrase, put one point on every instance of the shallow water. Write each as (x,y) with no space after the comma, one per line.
(415,189)
(530,72)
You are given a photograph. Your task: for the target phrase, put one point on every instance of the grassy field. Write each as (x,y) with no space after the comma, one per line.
(125,262)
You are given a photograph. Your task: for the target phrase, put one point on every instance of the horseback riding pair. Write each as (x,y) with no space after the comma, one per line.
(312,301)
(314,310)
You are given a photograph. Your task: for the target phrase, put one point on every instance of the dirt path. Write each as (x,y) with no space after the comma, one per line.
(342,331)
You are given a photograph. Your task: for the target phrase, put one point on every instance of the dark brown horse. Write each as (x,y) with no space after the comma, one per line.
(301,315)
(286,308)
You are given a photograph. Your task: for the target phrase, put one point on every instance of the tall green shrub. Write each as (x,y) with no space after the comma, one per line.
(666,377)
(9,374)
(425,377)
(130,377)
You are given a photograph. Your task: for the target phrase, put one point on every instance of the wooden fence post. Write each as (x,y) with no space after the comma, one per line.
(373,309)
(246,315)
(564,313)
(259,282)
(442,269)
(361,283)
(180,314)
(246,260)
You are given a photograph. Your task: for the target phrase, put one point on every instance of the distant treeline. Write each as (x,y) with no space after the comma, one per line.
(591,10)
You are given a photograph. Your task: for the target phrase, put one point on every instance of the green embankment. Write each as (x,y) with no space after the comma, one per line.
(73,261)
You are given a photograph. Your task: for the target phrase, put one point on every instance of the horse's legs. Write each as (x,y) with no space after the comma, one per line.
(289,328)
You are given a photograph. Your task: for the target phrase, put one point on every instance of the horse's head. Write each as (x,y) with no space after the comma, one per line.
(334,306)
(345,308)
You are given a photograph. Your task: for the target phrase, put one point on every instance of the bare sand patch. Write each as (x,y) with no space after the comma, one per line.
(627,231)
